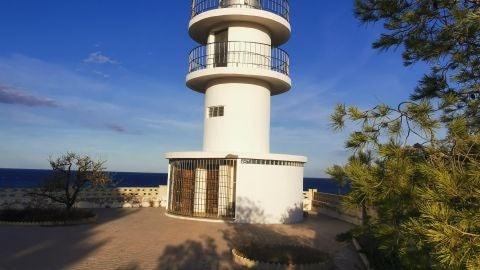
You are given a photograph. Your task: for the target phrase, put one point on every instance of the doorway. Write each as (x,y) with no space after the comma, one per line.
(221,49)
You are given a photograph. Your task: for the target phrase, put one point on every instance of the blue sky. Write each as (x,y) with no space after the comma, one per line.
(107,78)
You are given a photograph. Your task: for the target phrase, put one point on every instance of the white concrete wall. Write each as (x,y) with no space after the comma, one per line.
(253,46)
(245,126)
(241,31)
(269,194)
(248,46)
(92,197)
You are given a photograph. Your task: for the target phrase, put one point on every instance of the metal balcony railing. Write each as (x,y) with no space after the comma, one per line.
(279,7)
(239,54)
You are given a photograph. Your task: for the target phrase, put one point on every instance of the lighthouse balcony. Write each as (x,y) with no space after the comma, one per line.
(239,59)
(271,14)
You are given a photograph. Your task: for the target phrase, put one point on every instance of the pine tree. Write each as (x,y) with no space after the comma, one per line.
(443,33)
(425,189)
(339,177)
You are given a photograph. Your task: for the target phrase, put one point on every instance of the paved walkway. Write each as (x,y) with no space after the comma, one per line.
(144,238)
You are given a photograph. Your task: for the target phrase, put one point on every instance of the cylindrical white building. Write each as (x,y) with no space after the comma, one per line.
(245,124)
(238,67)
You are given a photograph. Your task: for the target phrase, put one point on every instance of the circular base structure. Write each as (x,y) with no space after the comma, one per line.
(244,187)
(198,219)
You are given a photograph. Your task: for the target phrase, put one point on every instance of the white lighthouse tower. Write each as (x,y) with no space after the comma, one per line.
(238,67)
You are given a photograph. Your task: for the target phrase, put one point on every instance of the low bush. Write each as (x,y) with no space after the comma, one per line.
(44,215)
(283,254)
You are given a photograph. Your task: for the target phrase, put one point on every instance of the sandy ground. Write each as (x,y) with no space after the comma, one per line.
(144,238)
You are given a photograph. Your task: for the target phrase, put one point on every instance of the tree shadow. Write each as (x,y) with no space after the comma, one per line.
(325,230)
(130,266)
(247,212)
(213,252)
(206,254)
(184,245)
(191,255)
(55,247)
(245,233)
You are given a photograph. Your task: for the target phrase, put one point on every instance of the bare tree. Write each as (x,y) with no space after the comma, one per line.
(72,173)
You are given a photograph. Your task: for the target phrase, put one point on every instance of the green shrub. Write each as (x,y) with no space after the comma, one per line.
(283,254)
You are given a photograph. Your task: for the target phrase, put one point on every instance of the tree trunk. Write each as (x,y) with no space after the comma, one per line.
(69,206)
(364,214)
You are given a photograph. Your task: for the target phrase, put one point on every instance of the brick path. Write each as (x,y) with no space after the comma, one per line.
(144,238)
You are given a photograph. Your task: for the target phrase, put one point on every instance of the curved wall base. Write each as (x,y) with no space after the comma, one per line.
(268,188)
(199,219)
(269,194)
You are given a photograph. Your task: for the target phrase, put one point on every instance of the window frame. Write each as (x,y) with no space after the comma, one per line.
(215,111)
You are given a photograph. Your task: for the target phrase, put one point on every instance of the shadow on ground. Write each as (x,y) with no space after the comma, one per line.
(53,247)
(144,238)
(191,255)
(204,254)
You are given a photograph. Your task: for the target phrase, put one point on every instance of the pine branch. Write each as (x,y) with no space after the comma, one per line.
(462,232)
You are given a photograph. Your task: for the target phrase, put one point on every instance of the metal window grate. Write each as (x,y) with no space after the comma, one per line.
(216,111)
(273,162)
(202,188)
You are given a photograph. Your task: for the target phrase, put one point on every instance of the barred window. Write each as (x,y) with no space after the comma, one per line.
(215,111)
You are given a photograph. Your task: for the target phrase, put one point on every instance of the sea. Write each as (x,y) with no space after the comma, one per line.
(28,178)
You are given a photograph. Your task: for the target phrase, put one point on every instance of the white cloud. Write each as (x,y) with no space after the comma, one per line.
(169,123)
(11,95)
(99,58)
(46,78)
(136,113)
(87,101)
(101,74)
